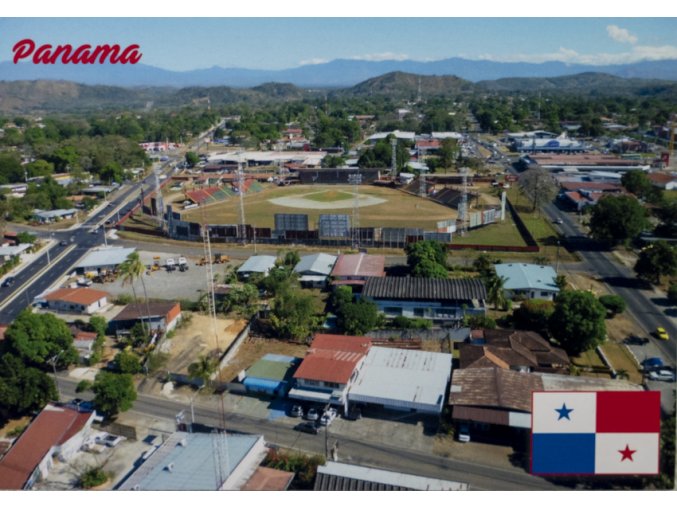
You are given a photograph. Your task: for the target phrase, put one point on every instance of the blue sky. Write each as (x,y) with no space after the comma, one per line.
(276,43)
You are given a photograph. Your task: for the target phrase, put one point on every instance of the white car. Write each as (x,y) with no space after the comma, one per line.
(328,416)
(665,375)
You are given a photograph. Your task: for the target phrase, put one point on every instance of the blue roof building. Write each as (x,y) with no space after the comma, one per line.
(272,375)
(529,280)
(186,462)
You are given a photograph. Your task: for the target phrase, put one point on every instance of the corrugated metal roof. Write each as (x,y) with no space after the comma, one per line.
(360,264)
(429,289)
(527,276)
(258,264)
(335,476)
(112,256)
(320,263)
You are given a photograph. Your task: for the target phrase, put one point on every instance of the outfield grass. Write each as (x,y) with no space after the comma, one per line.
(399,210)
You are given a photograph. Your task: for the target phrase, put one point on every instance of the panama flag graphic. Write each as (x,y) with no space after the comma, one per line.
(609,432)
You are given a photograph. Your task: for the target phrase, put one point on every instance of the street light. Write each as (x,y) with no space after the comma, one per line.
(53,361)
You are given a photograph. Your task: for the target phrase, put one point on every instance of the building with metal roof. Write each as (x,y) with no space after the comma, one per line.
(273,375)
(53,215)
(103,259)
(159,316)
(355,269)
(77,300)
(399,135)
(192,462)
(56,432)
(529,280)
(313,270)
(261,264)
(399,379)
(439,300)
(335,476)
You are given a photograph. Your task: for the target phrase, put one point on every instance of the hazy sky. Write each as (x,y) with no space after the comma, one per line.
(276,43)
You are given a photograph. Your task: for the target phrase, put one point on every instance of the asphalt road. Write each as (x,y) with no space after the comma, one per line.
(396,457)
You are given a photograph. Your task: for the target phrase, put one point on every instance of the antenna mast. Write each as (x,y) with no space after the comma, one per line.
(463,204)
(355,180)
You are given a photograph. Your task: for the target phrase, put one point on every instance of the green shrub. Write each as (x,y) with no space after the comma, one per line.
(92,478)
(614,304)
(83,385)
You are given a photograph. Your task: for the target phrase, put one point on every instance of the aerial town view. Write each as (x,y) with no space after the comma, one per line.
(339,257)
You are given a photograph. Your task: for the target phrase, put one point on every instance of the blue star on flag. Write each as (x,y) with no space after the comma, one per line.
(564,412)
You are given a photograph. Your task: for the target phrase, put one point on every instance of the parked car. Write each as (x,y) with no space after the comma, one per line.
(463,433)
(307,427)
(312,414)
(558,221)
(664,375)
(108,440)
(354,413)
(296,411)
(9,281)
(328,416)
(63,242)
(652,363)
(662,334)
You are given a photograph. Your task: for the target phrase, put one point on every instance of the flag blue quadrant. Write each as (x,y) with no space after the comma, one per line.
(563,453)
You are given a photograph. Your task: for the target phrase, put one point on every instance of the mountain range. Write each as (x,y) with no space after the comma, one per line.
(336,73)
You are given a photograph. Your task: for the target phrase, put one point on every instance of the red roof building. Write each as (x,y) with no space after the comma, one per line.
(77,300)
(329,368)
(354,269)
(55,431)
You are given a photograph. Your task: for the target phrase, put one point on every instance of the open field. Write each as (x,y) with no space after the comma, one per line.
(398,210)
(254,349)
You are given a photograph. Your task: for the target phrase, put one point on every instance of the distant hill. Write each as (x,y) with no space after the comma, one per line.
(588,83)
(337,73)
(403,85)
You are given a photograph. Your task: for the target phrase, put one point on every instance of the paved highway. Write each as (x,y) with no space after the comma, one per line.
(395,457)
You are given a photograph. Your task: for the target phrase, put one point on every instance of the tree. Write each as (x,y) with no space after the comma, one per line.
(667,213)
(342,295)
(496,291)
(448,152)
(539,186)
(561,282)
(23,389)
(192,158)
(617,219)
(98,325)
(533,315)
(127,362)
(479,322)
(292,314)
(614,304)
(131,270)
(38,338)
(241,300)
(672,293)
(656,260)
(203,369)
(359,318)
(427,259)
(484,265)
(114,393)
(26,237)
(10,168)
(39,168)
(578,321)
(637,182)
(291,259)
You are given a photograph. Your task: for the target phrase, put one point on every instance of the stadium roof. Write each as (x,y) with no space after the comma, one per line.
(111,256)
(409,136)
(527,276)
(417,289)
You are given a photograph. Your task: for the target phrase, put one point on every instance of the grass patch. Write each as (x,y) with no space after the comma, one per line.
(621,360)
(588,359)
(499,234)
(329,196)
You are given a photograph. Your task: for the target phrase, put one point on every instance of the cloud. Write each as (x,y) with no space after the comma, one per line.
(621,34)
(378,57)
(635,54)
(313,61)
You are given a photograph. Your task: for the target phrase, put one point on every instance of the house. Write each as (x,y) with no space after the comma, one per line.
(513,350)
(272,375)
(355,269)
(9,252)
(77,300)
(56,432)
(403,380)
(256,264)
(329,369)
(440,300)
(337,476)
(83,341)
(498,401)
(195,462)
(528,280)
(269,479)
(662,180)
(313,270)
(103,259)
(162,316)
(47,217)
(580,199)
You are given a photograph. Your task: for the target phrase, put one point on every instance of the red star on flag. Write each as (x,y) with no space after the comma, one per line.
(627,453)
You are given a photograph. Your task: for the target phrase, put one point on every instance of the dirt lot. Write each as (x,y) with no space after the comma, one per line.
(254,349)
(196,338)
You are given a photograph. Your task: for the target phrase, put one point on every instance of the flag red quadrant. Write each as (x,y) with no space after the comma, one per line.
(629,412)
(602,432)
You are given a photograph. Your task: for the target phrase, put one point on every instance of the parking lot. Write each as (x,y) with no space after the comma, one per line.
(162,284)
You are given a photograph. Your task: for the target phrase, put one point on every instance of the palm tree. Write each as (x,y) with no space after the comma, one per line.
(496,291)
(132,269)
(203,369)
